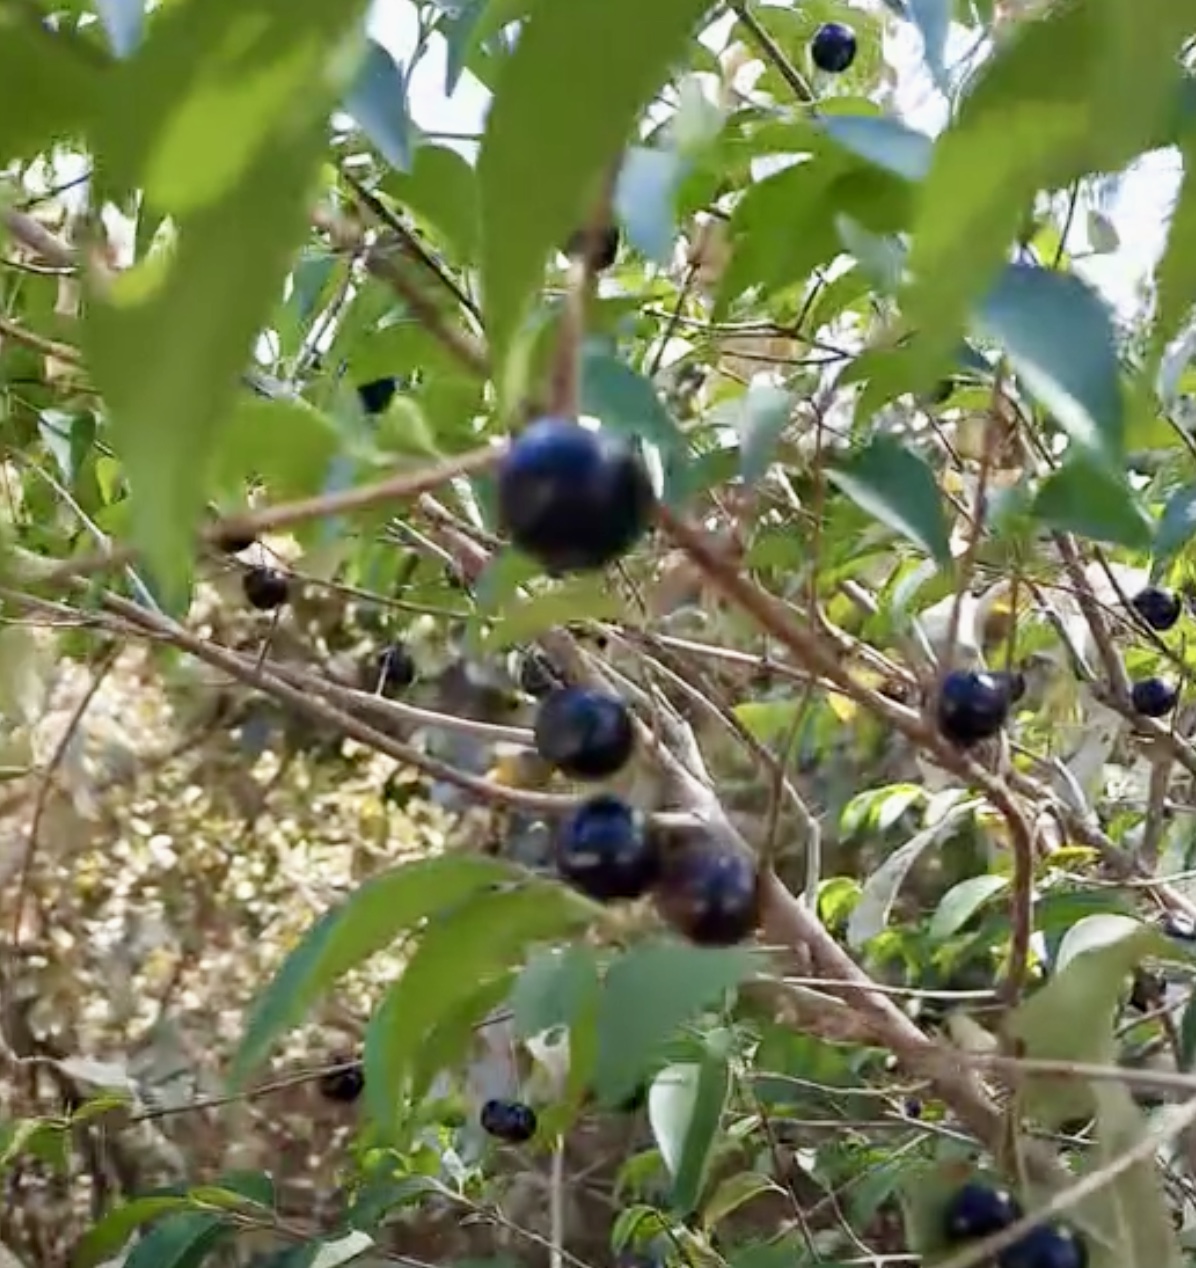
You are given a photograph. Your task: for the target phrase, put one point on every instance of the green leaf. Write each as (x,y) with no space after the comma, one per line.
(447,1045)
(898,488)
(885,142)
(733,1192)
(961,902)
(559,115)
(760,417)
(1058,335)
(342,1250)
(1094,502)
(933,20)
(1176,274)
(554,987)
(645,199)
(1072,1018)
(578,599)
(476,942)
(288,444)
(1128,1220)
(378,102)
(648,994)
(56,78)
(180,1241)
(625,401)
(105,1238)
(443,189)
(366,923)
(769,720)
(1176,525)
(685,1108)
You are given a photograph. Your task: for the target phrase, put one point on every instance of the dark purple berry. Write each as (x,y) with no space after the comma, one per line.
(833,47)
(343,1085)
(571,498)
(508,1121)
(979,1210)
(586,734)
(1045,1246)
(265,588)
(395,669)
(605,850)
(710,892)
(1176,924)
(376,396)
(1159,608)
(603,246)
(1153,698)
(972,706)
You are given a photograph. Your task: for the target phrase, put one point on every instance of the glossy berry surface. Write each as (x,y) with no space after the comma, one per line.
(1159,608)
(509,1121)
(343,1085)
(573,499)
(1046,1246)
(710,893)
(605,850)
(979,1210)
(972,706)
(604,248)
(1153,698)
(396,668)
(833,47)
(585,734)
(376,396)
(1178,925)
(265,588)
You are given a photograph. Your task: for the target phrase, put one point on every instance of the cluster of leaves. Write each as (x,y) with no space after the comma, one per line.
(863,355)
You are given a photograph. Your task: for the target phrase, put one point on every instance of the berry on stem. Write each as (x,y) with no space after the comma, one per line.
(344,1085)
(710,892)
(1153,698)
(978,1210)
(509,1121)
(585,734)
(376,396)
(265,588)
(396,668)
(833,47)
(603,246)
(573,499)
(1159,608)
(972,706)
(605,850)
(1046,1246)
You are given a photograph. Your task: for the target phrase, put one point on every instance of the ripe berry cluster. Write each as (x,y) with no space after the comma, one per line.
(973,705)
(980,1210)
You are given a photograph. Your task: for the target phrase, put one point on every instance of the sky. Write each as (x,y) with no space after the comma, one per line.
(1138,210)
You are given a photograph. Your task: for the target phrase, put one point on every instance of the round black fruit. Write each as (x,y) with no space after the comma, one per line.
(265,588)
(1014,682)
(710,892)
(573,499)
(1159,608)
(585,734)
(1046,1246)
(833,47)
(343,1085)
(603,246)
(979,1210)
(376,396)
(396,668)
(538,676)
(972,706)
(605,850)
(1153,698)
(509,1121)
(1177,924)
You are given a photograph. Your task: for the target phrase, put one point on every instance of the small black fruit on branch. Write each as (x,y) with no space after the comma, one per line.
(709,891)
(396,668)
(265,588)
(509,1121)
(1046,1246)
(1153,698)
(603,246)
(230,543)
(1159,608)
(538,676)
(343,1085)
(376,396)
(571,498)
(585,734)
(833,47)
(605,850)
(979,1210)
(972,706)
